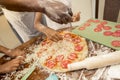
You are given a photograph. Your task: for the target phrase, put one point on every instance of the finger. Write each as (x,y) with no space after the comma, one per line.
(16,65)
(53,39)
(59,37)
(58,20)
(66,17)
(14,68)
(70,11)
(64,20)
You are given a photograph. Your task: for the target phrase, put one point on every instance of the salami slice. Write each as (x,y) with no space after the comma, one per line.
(117,26)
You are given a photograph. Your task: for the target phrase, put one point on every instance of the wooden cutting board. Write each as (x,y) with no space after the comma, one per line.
(101,31)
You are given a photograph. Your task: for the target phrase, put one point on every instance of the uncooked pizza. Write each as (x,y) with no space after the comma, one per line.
(55,56)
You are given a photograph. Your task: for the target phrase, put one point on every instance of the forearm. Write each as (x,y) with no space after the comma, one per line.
(37,24)
(22,5)
(4,50)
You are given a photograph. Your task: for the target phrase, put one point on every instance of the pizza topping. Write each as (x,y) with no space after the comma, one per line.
(97,29)
(90,20)
(117,26)
(82,28)
(72,56)
(76,40)
(117,31)
(78,48)
(104,22)
(64,64)
(116,34)
(100,26)
(116,43)
(49,57)
(59,58)
(43,43)
(108,33)
(96,21)
(87,24)
(107,27)
(50,63)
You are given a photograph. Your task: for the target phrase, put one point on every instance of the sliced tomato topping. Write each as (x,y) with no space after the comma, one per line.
(96,21)
(50,63)
(90,20)
(104,22)
(107,27)
(82,28)
(117,31)
(59,58)
(100,26)
(72,56)
(86,24)
(116,34)
(116,43)
(97,30)
(78,48)
(108,33)
(64,64)
(117,26)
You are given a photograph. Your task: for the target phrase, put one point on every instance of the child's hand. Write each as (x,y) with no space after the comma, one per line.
(76,17)
(16,52)
(11,65)
(53,34)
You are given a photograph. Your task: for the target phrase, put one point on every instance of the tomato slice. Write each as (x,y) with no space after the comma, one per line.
(82,28)
(116,34)
(104,22)
(78,48)
(97,30)
(72,56)
(96,21)
(59,58)
(108,33)
(117,26)
(116,43)
(50,63)
(117,31)
(64,64)
(90,20)
(100,26)
(86,24)
(107,27)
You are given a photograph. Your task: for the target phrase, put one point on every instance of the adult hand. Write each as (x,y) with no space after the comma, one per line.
(57,11)
(53,34)
(76,17)
(11,65)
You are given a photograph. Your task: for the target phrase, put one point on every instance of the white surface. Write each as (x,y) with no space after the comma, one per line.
(114,71)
